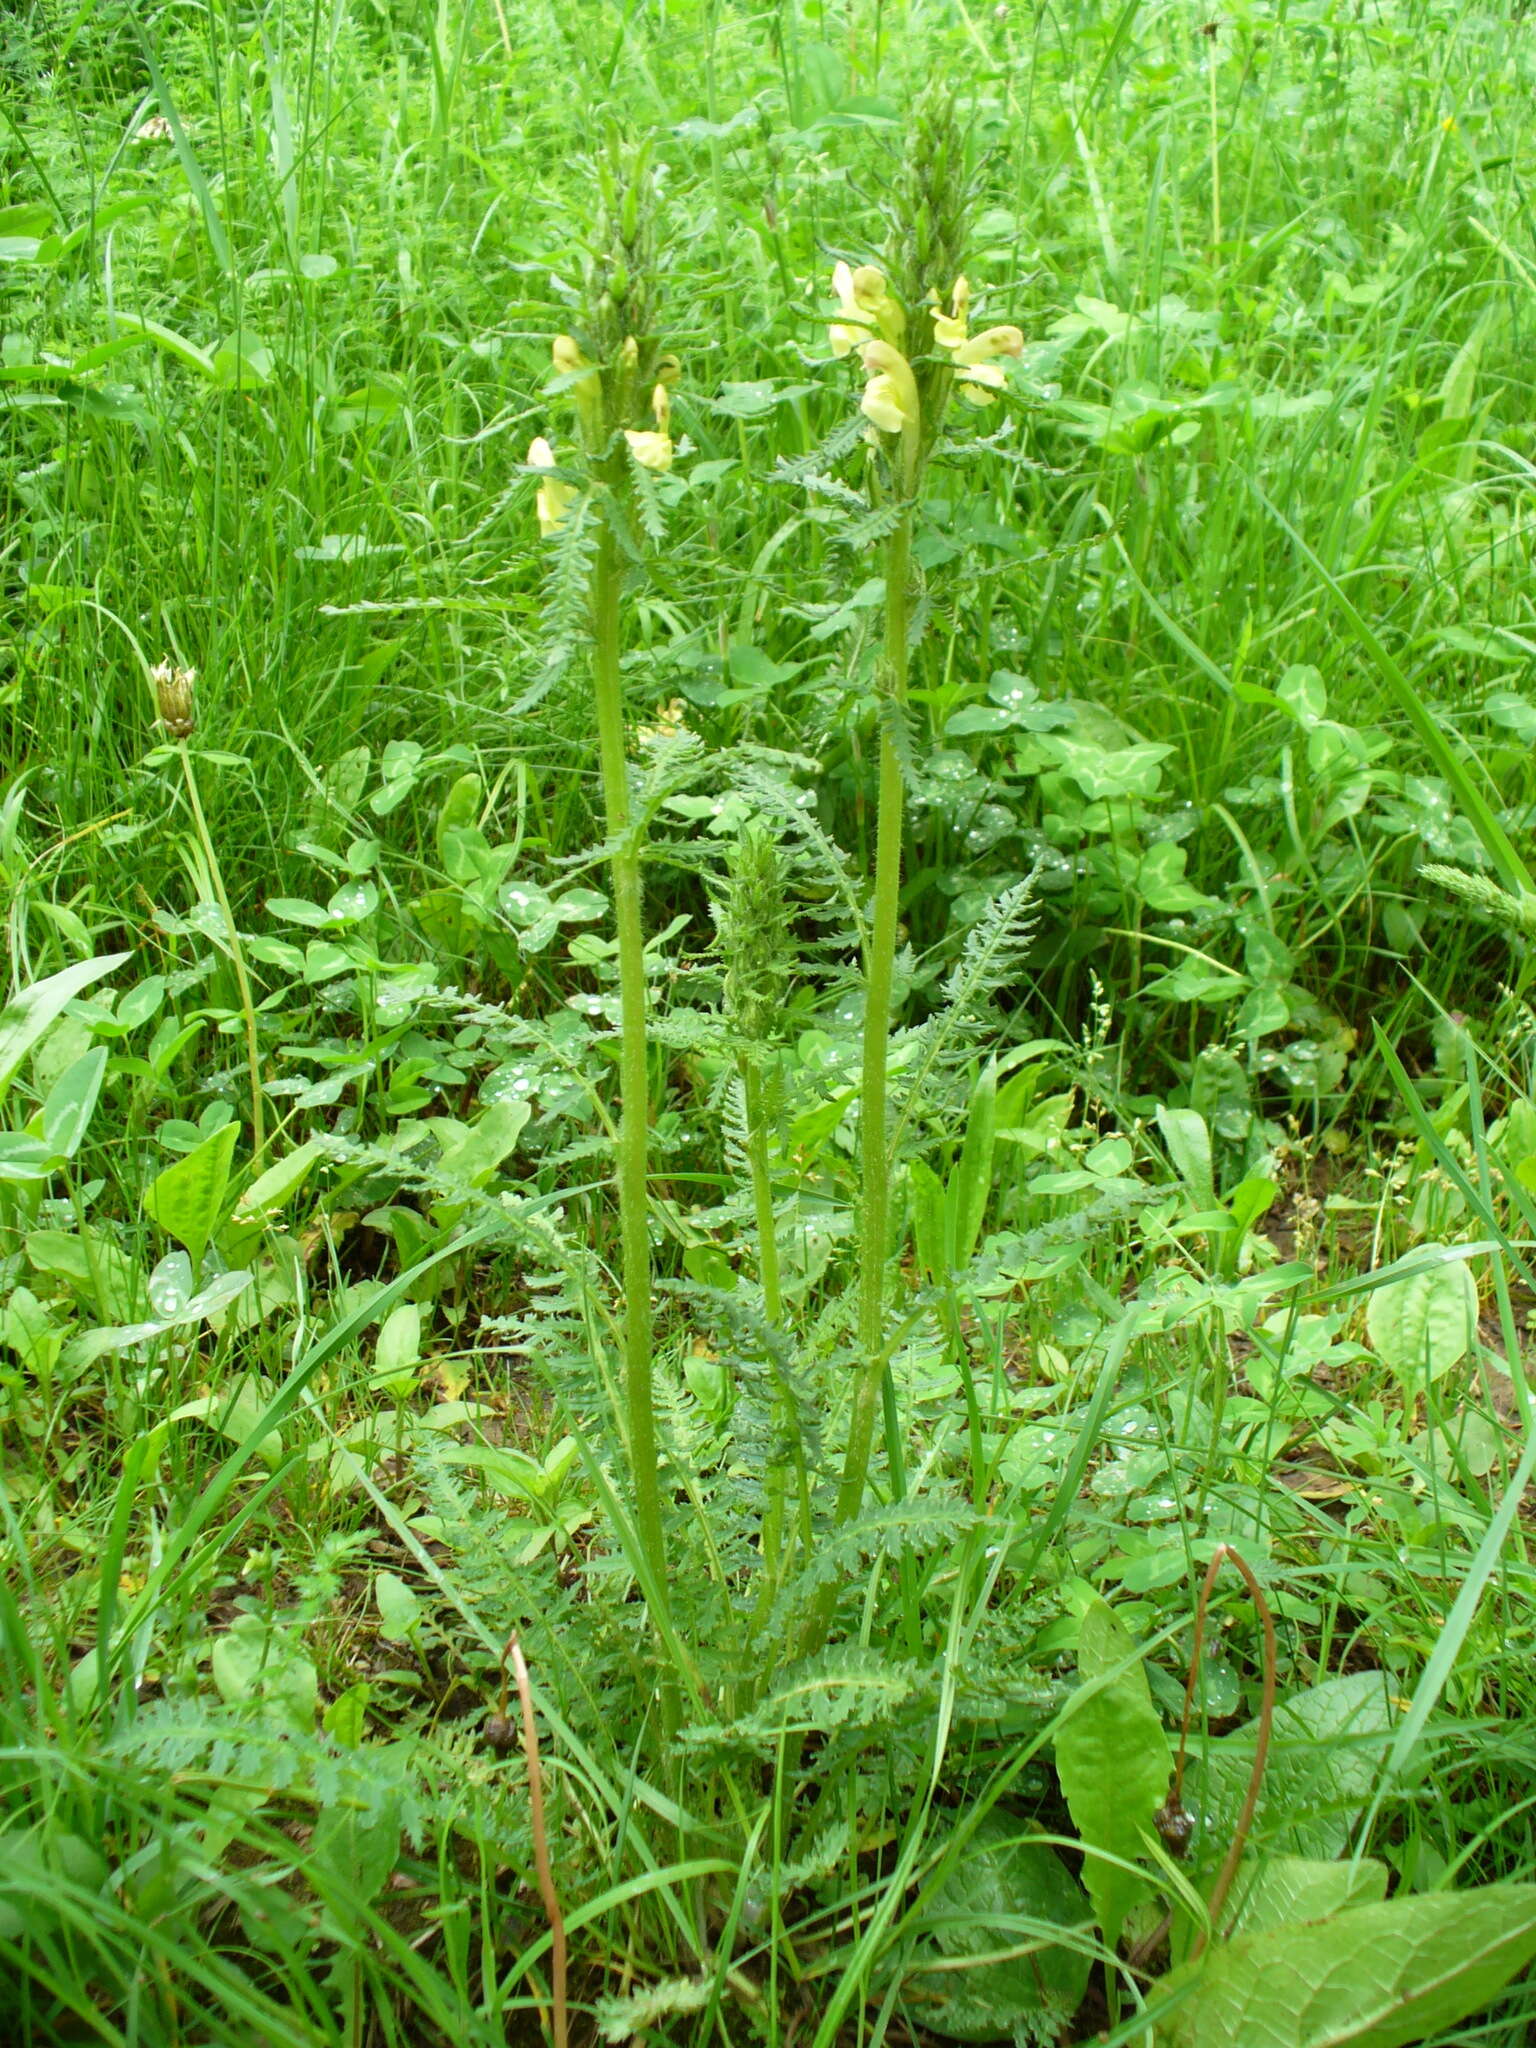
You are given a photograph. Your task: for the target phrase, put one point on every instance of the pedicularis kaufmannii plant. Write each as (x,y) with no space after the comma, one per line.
(910,329)
(616,378)
(909,326)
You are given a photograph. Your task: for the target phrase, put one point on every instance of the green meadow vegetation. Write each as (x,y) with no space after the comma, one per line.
(768,1162)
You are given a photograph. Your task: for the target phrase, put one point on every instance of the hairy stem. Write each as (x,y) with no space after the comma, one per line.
(762,1195)
(874,1149)
(634,1085)
(879,977)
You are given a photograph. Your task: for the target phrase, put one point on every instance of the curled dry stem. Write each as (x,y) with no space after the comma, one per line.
(560,2032)
(1225,1554)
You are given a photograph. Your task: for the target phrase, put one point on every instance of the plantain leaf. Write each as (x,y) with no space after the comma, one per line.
(1328,1746)
(1284,1890)
(1424,1325)
(1113,1760)
(187,1200)
(1372,1977)
(24,1020)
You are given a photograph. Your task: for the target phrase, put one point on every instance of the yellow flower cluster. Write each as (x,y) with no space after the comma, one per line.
(974,355)
(870,320)
(650,446)
(864,302)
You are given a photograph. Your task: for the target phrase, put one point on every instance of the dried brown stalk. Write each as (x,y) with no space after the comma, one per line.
(1225,1554)
(547,1892)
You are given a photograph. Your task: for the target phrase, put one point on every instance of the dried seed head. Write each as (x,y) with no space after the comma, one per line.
(500,1733)
(175,699)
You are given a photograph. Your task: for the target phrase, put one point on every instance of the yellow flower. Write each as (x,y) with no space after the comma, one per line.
(567,356)
(949,328)
(864,302)
(975,353)
(587,388)
(654,450)
(976,357)
(554,497)
(890,396)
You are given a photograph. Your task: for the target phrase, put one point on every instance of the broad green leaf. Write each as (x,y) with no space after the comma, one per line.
(345,1720)
(31,1332)
(170,341)
(397,1349)
(1114,1763)
(503,1468)
(1378,1976)
(1424,1325)
(475,1155)
(1251,1199)
(187,1200)
(1328,1745)
(1284,1890)
(272,1190)
(33,1862)
(710,1266)
(399,1609)
(24,1159)
(929,1230)
(323,961)
(72,1103)
(297,910)
(23,1022)
(358,1848)
(1161,883)
(94,1267)
(1003,1894)
(171,1286)
(971,1183)
(234,1417)
(252,1662)
(1189,1147)
(1304,694)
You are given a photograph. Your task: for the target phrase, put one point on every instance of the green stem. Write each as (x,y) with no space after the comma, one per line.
(236,952)
(874,1153)
(879,978)
(776,1480)
(762,1195)
(634,1084)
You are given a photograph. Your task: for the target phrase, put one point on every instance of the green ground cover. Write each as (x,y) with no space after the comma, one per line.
(1002,1503)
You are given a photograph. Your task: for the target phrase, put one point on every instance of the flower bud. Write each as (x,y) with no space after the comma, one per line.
(175,699)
